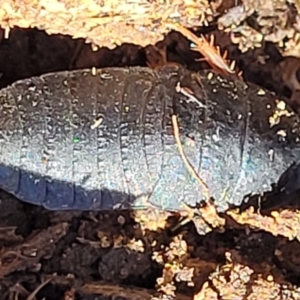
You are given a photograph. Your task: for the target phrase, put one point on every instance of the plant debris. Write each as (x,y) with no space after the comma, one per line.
(249,253)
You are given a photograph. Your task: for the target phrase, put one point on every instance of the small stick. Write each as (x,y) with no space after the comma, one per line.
(185,160)
(188,93)
(34,293)
(211,53)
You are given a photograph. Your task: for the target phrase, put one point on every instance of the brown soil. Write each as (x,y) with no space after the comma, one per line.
(253,254)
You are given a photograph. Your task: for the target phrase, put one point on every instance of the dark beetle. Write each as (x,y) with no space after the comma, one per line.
(74,140)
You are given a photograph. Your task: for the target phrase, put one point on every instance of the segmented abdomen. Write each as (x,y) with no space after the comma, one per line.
(77,140)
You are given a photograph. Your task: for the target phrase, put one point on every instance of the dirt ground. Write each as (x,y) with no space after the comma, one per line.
(251,254)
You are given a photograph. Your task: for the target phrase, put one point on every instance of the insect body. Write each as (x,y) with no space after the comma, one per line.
(104,140)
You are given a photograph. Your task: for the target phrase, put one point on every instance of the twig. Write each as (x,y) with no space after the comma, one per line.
(128,293)
(110,290)
(34,293)
(17,255)
(185,160)
(39,240)
(188,93)
(211,53)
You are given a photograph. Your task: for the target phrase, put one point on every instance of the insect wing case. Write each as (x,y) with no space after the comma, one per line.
(74,140)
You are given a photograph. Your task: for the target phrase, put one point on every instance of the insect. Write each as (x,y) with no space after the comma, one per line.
(211,54)
(130,158)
